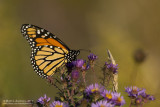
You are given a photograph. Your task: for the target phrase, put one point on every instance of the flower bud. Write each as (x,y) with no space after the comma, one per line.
(75,75)
(138,101)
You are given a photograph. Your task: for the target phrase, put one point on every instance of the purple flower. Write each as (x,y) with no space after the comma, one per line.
(147,97)
(134,91)
(139,95)
(78,63)
(58,104)
(94,88)
(107,95)
(138,100)
(75,75)
(112,67)
(142,91)
(85,66)
(102,104)
(117,99)
(113,97)
(44,100)
(92,57)
(151,98)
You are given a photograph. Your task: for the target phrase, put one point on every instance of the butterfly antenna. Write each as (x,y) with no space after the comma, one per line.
(85,50)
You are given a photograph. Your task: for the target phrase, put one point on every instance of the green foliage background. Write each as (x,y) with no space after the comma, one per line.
(121,26)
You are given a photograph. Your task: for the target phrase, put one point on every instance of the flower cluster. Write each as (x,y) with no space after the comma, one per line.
(74,90)
(95,92)
(111,67)
(113,97)
(138,95)
(92,57)
(134,91)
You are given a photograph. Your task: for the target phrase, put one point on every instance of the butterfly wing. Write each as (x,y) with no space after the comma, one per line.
(37,36)
(48,52)
(46,59)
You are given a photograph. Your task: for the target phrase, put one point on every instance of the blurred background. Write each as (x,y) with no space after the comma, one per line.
(125,27)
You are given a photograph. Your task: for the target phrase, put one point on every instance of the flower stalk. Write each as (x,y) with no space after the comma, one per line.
(115,75)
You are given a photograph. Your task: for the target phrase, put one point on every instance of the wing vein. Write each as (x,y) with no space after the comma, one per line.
(51,62)
(54,66)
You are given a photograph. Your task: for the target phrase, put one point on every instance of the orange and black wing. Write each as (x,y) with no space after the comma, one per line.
(37,36)
(48,52)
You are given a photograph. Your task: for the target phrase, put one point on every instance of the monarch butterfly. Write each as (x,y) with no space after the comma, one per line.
(48,51)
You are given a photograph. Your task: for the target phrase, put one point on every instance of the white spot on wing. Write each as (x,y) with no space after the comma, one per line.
(38,31)
(42,30)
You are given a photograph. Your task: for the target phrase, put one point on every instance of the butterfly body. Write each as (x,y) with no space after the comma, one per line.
(48,51)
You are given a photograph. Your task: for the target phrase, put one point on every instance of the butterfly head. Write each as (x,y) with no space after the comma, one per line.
(72,55)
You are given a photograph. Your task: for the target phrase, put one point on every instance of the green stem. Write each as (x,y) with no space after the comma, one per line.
(94,75)
(130,104)
(84,77)
(109,78)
